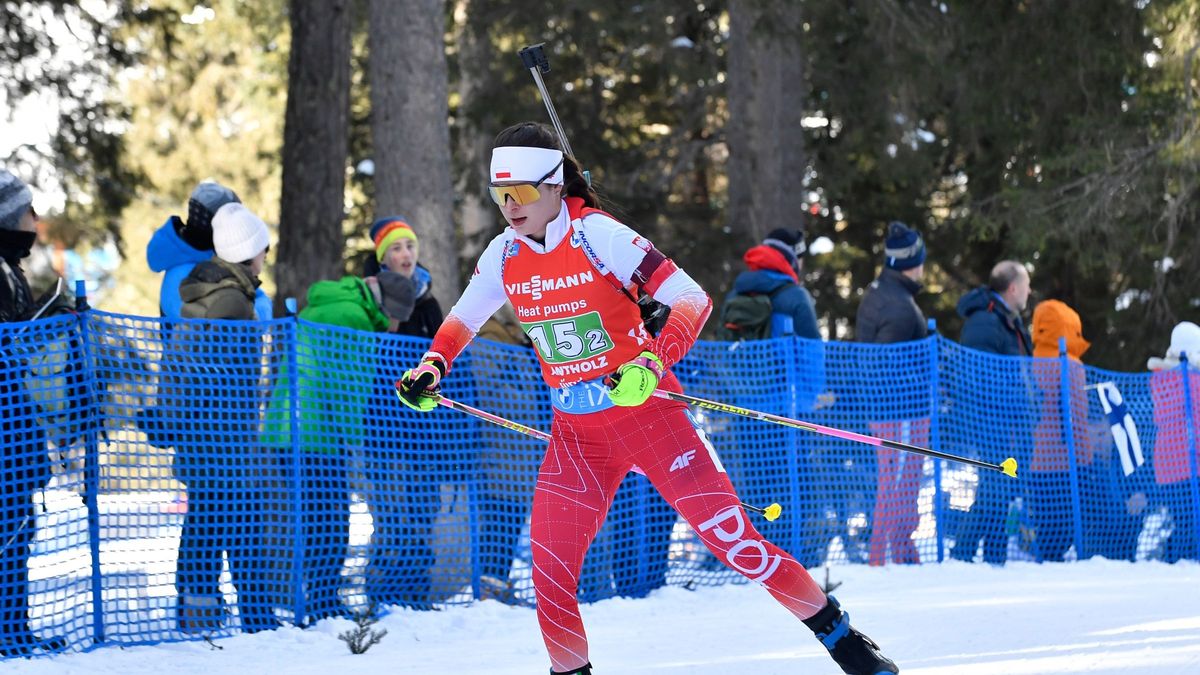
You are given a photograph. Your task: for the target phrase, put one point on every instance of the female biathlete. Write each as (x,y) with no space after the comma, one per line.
(563,265)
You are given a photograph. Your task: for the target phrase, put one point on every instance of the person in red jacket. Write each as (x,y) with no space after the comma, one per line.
(571,273)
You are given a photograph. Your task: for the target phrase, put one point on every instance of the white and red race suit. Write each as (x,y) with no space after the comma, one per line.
(584,328)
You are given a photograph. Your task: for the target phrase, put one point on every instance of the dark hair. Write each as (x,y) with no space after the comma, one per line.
(1004,274)
(538,135)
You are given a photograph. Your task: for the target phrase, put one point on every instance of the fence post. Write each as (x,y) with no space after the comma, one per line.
(91,462)
(797,525)
(1189,406)
(292,364)
(935,344)
(1069,435)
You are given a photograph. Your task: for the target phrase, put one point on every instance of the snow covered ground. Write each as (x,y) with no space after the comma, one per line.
(951,619)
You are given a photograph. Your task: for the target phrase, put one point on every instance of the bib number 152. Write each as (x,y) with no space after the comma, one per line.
(563,340)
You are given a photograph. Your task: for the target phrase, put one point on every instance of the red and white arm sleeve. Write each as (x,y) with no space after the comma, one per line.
(690,307)
(635,260)
(483,296)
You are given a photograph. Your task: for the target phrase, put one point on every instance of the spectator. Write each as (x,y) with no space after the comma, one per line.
(774,271)
(768,301)
(994,325)
(993,312)
(26,466)
(1174,469)
(398,249)
(888,314)
(1050,466)
(405,465)
(177,246)
(219,463)
(331,417)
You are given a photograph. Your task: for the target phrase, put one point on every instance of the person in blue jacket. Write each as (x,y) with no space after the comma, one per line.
(178,246)
(992,323)
(774,270)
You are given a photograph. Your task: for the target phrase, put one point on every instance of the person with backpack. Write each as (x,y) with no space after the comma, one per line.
(768,299)
(571,272)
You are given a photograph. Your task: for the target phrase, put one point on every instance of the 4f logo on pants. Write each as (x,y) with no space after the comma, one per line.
(683,460)
(729,526)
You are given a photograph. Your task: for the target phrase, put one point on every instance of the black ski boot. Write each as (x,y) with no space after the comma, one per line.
(585,669)
(856,653)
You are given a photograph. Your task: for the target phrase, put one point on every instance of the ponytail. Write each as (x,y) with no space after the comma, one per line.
(575,185)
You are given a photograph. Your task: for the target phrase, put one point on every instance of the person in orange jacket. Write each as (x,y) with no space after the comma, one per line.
(1050,464)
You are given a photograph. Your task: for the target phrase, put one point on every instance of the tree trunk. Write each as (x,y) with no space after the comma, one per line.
(477,124)
(766,103)
(315,147)
(411,130)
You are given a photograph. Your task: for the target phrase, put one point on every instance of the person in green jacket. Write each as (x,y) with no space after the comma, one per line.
(333,342)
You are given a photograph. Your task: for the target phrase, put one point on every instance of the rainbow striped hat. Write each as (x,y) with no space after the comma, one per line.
(385,232)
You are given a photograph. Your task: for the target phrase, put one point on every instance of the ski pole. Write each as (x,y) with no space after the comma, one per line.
(771,512)
(1008,467)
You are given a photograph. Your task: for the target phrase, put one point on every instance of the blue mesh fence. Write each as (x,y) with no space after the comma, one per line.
(166,481)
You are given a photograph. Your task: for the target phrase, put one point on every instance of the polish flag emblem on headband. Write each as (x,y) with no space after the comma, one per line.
(519,163)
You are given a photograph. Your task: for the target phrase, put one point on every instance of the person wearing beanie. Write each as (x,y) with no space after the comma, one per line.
(772,281)
(178,245)
(225,286)
(18,232)
(1185,341)
(397,249)
(889,314)
(1172,458)
(992,323)
(403,517)
(23,440)
(220,366)
(773,271)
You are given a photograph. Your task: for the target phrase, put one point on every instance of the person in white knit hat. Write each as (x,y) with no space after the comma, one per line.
(1185,339)
(1176,454)
(224,287)
(226,500)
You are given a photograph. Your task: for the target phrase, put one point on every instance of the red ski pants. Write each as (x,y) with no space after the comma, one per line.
(899,474)
(586,460)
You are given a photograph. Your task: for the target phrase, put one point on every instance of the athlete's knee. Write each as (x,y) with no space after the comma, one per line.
(730,536)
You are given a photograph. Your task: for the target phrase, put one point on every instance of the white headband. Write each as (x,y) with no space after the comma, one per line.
(525,164)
